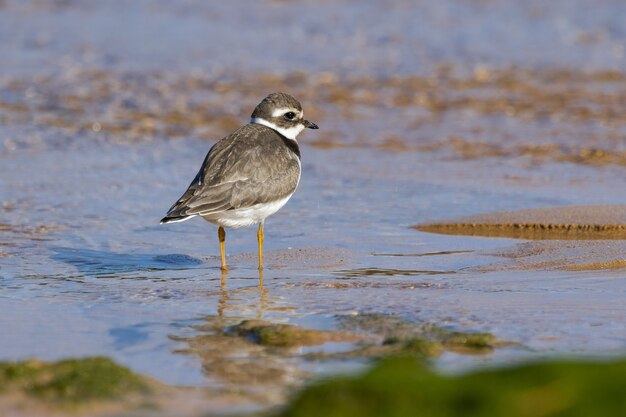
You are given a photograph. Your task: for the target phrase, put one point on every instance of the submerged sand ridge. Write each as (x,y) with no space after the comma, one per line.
(539,116)
(554,255)
(560,223)
(570,238)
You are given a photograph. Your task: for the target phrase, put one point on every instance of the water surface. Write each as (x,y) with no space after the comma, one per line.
(106,120)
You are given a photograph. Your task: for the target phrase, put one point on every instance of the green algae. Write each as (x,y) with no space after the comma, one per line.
(264,360)
(428,346)
(416,346)
(399,337)
(404,387)
(255,358)
(428,340)
(71,381)
(285,335)
(475,341)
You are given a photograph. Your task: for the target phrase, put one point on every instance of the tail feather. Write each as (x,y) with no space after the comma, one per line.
(174,219)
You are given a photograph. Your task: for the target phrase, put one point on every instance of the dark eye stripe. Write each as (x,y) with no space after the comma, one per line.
(290,115)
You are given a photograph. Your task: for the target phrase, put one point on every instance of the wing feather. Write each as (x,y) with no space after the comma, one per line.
(250,166)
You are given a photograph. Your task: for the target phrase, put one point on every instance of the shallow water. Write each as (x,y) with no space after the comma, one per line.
(392,37)
(107,279)
(86,269)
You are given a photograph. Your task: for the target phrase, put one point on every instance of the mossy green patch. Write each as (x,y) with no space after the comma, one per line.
(405,387)
(426,340)
(286,335)
(469,342)
(416,346)
(71,380)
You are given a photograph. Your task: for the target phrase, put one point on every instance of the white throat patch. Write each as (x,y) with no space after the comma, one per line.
(289,133)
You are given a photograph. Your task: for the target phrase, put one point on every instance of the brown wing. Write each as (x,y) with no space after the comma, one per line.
(252,165)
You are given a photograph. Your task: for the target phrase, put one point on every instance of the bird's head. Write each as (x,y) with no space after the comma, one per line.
(283,113)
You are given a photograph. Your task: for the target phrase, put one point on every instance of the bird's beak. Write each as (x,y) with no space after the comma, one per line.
(310,125)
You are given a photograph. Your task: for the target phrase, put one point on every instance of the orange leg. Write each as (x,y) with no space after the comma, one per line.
(260,237)
(221,234)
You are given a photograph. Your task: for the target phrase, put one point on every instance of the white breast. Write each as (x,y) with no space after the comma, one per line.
(246,216)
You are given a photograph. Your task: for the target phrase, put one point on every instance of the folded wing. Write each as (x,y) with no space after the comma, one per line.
(239,171)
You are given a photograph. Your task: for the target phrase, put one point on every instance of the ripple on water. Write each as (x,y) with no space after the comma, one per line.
(386,272)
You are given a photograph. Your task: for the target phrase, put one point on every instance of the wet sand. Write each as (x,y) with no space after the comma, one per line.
(321,257)
(563,223)
(441,112)
(570,255)
(569,238)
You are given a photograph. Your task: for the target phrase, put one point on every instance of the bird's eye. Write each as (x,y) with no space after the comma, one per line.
(290,115)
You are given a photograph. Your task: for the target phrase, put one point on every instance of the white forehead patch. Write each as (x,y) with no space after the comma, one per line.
(289,133)
(283,110)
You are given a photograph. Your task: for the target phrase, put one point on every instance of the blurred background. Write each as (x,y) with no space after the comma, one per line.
(427,110)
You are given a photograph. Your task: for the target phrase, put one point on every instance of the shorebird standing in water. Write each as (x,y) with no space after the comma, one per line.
(250,174)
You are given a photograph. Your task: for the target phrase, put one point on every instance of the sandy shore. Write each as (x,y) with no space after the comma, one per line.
(573,255)
(563,223)
(572,238)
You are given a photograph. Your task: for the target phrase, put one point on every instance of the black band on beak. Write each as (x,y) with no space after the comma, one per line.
(310,125)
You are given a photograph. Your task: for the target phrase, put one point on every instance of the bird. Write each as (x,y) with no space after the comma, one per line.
(250,174)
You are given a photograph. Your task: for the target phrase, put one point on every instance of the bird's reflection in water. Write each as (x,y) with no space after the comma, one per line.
(230,355)
(226,300)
